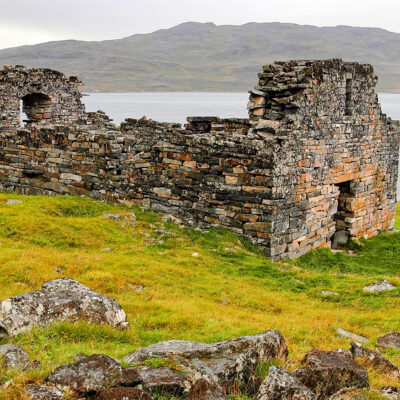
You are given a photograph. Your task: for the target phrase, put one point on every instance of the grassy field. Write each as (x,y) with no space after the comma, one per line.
(229,289)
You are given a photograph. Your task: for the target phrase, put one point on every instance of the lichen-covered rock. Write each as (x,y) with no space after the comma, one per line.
(59,299)
(42,392)
(90,374)
(163,380)
(222,362)
(374,359)
(379,286)
(204,390)
(122,393)
(390,340)
(327,372)
(391,392)
(14,356)
(281,385)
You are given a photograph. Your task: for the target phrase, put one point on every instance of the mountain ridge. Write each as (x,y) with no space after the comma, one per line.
(195,56)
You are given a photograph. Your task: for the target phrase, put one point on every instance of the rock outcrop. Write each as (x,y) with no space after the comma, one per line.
(14,356)
(223,362)
(122,393)
(379,286)
(327,372)
(204,390)
(89,374)
(281,385)
(58,300)
(374,359)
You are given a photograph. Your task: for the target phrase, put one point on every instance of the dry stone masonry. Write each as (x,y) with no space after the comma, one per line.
(315,164)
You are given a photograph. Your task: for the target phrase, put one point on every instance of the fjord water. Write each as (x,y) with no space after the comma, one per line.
(176,106)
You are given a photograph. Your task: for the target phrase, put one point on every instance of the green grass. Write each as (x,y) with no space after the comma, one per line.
(229,289)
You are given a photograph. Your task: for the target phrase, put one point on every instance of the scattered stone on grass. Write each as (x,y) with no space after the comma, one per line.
(374,359)
(327,293)
(379,286)
(390,340)
(327,372)
(352,336)
(58,300)
(12,201)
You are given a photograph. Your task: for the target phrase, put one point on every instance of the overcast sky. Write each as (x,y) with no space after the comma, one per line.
(29,22)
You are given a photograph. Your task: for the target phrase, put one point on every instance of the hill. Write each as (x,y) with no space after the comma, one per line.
(179,283)
(206,57)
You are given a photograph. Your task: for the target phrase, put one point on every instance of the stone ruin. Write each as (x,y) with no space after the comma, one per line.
(315,163)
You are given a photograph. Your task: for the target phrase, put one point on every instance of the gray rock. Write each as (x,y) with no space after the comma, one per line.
(379,286)
(327,372)
(163,380)
(327,293)
(340,238)
(281,385)
(42,392)
(391,392)
(204,390)
(114,217)
(14,356)
(390,340)
(90,374)
(58,300)
(222,362)
(352,336)
(374,359)
(11,201)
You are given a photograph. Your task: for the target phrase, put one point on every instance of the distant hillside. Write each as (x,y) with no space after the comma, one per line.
(206,57)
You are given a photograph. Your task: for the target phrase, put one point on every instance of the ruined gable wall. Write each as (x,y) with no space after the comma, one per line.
(326,137)
(64,95)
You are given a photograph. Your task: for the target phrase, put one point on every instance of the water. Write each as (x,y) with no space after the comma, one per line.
(176,106)
(168,107)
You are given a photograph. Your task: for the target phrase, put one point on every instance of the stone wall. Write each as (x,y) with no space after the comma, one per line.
(316,157)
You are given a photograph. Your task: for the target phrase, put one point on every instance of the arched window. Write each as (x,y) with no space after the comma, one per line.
(36,107)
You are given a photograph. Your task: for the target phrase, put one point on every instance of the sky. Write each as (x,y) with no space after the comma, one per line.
(30,22)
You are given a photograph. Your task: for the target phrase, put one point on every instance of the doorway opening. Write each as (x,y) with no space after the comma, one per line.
(345,199)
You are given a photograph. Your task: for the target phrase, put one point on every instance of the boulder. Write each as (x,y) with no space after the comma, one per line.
(223,362)
(327,372)
(14,356)
(58,300)
(204,390)
(89,374)
(163,380)
(379,286)
(122,393)
(281,385)
(374,359)
(390,340)
(391,392)
(42,392)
